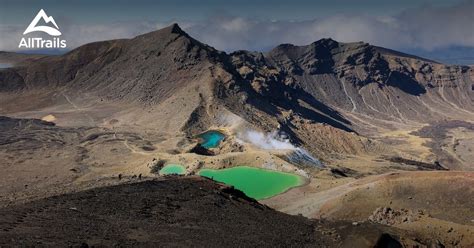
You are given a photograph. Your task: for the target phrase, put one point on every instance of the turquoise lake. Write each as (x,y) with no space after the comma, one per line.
(211,139)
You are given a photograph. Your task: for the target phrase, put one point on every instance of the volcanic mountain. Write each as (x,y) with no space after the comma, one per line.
(348,86)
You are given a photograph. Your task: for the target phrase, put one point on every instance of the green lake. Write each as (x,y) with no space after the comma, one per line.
(170,169)
(255,182)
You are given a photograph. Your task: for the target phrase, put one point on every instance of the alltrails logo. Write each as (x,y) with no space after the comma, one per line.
(39,42)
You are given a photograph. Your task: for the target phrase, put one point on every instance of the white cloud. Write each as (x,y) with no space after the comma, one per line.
(424,27)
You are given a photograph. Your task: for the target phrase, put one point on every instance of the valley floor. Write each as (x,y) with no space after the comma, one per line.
(93,144)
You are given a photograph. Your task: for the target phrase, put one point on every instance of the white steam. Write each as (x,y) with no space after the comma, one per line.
(270,141)
(275,141)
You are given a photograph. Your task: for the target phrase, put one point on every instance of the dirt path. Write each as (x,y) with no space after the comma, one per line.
(91,120)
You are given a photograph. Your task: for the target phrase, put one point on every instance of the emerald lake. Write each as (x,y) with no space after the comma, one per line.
(255,182)
(170,169)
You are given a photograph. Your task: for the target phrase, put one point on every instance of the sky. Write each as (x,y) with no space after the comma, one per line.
(417,26)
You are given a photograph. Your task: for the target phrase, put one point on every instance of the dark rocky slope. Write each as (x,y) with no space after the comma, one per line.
(190,212)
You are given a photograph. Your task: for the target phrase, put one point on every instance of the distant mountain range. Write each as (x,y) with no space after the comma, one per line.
(454,55)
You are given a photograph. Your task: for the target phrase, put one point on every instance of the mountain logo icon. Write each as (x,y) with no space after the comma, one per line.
(47,29)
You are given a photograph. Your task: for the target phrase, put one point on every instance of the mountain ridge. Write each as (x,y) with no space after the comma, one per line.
(352,87)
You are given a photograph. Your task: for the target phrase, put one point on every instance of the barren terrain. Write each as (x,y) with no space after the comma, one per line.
(392,134)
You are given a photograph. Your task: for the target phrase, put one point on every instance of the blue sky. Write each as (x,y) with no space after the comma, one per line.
(407,25)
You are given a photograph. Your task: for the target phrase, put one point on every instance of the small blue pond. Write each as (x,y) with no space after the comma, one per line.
(211,139)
